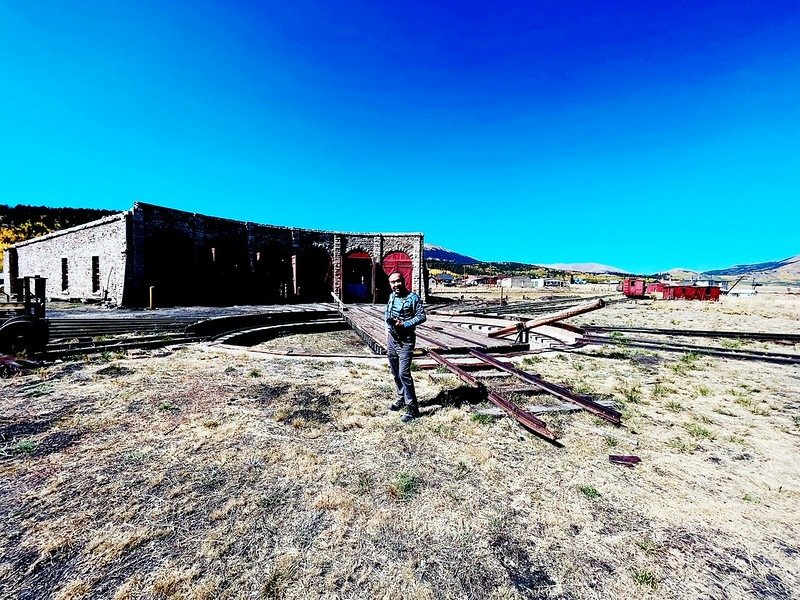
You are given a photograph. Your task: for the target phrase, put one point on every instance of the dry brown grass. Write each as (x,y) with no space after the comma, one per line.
(206,474)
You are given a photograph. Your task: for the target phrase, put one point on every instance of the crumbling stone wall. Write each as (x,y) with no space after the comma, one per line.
(67,257)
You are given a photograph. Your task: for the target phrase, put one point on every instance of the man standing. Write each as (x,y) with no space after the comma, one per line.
(403,313)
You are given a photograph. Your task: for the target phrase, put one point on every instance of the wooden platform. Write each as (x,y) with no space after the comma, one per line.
(442,334)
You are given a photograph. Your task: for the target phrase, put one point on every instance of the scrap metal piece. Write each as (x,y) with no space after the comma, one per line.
(627,460)
(10,366)
(559,316)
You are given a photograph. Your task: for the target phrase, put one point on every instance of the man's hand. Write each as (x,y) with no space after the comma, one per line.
(399,323)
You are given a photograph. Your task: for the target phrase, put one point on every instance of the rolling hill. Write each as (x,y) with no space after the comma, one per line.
(787,270)
(441,257)
(590,267)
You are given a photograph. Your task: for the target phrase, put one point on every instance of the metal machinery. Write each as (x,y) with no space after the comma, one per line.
(22,324)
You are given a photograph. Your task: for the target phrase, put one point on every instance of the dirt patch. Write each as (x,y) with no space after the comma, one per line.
(114,371)
(58,441)
(9,429)
(305,405)
(334,342)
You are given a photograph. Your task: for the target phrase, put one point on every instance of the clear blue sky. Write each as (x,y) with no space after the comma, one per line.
(644,135)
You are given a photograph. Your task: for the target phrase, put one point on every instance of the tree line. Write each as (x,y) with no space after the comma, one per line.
(22,222)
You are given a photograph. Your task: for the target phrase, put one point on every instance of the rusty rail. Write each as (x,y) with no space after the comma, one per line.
(743,335)
(522,416)
(564,314)
(604,412)
(760,355)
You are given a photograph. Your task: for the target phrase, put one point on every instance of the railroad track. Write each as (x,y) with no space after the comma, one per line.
(56,350)
(741,335)
(495,308)
(67,328)
(784,358)
(76,336)
(491,367)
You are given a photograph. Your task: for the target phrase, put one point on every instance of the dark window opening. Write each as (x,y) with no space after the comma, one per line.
(95,273)
(64,275)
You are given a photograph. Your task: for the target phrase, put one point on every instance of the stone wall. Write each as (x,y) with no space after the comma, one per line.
(84,262)
(187,258)
(378,245)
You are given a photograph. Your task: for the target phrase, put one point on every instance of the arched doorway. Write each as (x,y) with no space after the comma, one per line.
(314,275)
(357,277)
(393,261)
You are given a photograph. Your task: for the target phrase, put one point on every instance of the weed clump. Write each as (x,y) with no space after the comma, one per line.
(404,487)
(632,392)
(682,446)
(698,431)
(644,578)
(26,447)
(589,491)
(481,418)
(687,362)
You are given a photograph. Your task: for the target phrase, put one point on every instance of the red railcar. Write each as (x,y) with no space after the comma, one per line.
(634,288)
(639,288)
(691,292)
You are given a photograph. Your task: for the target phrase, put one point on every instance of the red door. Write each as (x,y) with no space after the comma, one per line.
(400,262)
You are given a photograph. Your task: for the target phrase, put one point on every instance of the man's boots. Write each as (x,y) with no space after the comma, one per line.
(397,404)
(412,412)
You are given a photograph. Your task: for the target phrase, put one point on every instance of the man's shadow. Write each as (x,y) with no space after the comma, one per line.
(456,398)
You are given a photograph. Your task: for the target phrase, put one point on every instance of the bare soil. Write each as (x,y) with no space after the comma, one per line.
(200,473)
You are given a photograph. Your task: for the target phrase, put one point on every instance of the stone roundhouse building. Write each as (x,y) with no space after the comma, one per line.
(192,259)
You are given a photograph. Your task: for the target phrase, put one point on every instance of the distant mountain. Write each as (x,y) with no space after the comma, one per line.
(437,253)
(586,268)
(787,269)
(784,271)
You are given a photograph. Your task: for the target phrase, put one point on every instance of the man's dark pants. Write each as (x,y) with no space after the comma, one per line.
(399,352)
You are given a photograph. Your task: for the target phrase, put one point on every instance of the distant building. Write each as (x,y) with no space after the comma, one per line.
(193,259)
(445,278)
(742,291)
(708,282)
(480,280)
(516,282)
(544,282)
